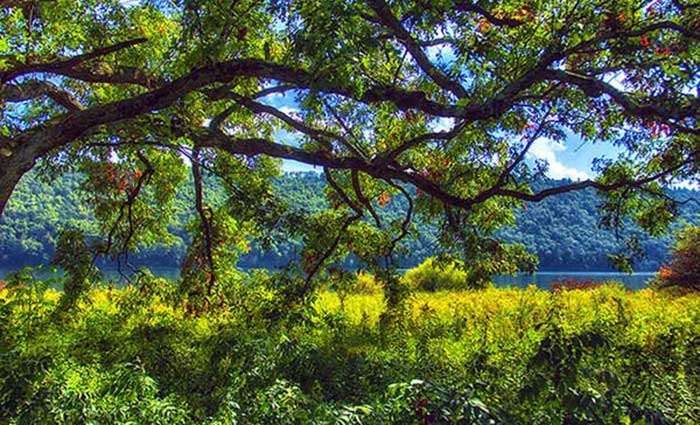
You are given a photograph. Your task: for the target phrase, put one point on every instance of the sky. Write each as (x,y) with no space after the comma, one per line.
(571,159)
(568,160)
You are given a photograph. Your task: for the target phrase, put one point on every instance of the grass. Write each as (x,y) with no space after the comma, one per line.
(602,355)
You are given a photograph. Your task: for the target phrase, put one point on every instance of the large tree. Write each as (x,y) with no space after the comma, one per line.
(443,96)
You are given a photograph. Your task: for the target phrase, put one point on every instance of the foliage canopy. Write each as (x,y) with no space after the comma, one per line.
(444,96)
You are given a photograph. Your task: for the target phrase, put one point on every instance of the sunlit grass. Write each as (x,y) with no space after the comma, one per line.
(507,311)
(504,339)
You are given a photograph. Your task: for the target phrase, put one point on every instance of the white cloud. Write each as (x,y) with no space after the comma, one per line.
(686,184)
(292,112)
(547,149)
(274,96)
(617,80)
(442,124)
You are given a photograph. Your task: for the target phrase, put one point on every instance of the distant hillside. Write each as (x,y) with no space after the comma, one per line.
(563,230)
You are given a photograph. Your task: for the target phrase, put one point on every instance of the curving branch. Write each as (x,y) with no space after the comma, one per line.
(204,217)
(20,152)
(518,159)
(409,214)
(418,140)
(314,133)
(33,89)
(327,254)
(355,178)
(126,208)
(594,87)
(386,17)
(339,190)
(71,67)
(602,187)
(252,147)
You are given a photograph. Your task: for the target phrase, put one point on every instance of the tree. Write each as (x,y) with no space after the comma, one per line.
(444,96)
(683,270)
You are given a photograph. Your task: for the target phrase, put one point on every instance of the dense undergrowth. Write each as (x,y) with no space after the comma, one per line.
(133,355)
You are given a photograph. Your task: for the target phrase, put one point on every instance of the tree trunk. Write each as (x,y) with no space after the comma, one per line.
(12,168)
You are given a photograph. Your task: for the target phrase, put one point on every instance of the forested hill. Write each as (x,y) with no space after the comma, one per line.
(563,230)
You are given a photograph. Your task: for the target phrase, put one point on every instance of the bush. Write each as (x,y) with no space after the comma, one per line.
(683,270)
(437,274)
(570,284)
(134,355)
(366,284)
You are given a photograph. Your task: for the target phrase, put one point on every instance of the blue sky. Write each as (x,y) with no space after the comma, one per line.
(571,159)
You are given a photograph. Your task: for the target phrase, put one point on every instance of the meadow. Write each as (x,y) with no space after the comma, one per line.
(516,356)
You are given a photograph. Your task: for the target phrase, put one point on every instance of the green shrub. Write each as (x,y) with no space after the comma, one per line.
(134,355)
(367,284)
(438,274)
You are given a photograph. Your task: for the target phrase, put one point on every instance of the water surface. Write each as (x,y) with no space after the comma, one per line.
(543,279)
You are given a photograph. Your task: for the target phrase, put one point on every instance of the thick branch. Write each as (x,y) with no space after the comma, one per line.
(204,218)
(594,87)
(36,89)
(387,18)
(355,178)
(409,214)
(339,190)
(64,65)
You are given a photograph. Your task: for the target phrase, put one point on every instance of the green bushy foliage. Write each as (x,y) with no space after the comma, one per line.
(447,273)
(502,356)
(443,274)
(561,230)
(366,284)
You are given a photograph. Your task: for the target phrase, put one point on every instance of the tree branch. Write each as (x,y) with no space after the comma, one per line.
(594,87)
(387,18)
(204,218)
(66,65)
(33,89)
(355,178)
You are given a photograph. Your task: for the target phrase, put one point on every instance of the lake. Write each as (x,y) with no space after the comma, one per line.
(542,279)
(545,279)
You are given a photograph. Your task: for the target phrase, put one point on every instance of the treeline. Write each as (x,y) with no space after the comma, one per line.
(563,231)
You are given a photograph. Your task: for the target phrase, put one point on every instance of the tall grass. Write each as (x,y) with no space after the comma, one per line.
(516,356)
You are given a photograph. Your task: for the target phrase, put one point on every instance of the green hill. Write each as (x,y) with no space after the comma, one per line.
(563,231)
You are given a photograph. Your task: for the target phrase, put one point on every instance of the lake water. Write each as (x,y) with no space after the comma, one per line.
(545,279)
(542,279)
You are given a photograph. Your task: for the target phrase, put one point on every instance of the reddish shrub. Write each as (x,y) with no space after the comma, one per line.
(570,284)
(683,270)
